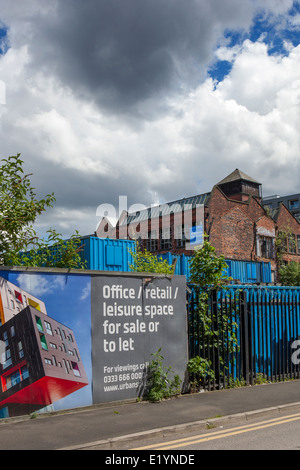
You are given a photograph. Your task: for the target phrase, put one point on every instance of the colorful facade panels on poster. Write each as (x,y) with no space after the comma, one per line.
(70,339)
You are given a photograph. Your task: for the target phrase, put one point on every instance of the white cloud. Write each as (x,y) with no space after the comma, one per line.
(39,285)
(175,143)
(85,291)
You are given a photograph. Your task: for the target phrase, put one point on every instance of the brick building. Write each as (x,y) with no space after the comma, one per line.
(292,202)
(232,215)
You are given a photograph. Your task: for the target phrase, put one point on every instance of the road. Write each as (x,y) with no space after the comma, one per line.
(280,433)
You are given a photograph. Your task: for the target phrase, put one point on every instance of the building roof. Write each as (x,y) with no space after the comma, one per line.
(237,175)
(165,209)
(274,213)
(177,206)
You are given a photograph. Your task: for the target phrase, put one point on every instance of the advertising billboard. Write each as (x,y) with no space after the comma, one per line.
(133,318)
(75,338)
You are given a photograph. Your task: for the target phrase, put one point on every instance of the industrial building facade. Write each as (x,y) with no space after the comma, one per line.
(292,202)
(233,217)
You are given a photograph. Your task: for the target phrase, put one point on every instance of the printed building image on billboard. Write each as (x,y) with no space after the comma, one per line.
(40,359)
(13,299)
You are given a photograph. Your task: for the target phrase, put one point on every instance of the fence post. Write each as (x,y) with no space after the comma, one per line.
(244,336)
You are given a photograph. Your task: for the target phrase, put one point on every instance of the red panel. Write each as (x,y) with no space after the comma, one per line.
(44,391)
(18,296)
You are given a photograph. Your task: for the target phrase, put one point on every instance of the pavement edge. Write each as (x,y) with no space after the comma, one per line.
(115,442)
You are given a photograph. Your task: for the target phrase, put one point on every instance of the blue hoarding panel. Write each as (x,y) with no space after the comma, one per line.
(241,271)
(105,254)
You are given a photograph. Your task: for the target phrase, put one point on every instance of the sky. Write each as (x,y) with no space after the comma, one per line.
(152,100)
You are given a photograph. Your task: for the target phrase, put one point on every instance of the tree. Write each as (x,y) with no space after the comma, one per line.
(144,261)
(207,270)
(208,273)
(19,208)
(290,274)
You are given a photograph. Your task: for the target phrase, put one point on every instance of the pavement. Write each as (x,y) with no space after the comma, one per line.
(113,425)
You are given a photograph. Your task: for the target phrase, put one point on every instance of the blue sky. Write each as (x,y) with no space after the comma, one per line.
(3,40)
(272,30)
(153,100)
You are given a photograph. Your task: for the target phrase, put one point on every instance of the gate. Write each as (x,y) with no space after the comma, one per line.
(248,334)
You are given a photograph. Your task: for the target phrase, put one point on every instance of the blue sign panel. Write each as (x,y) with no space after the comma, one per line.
(196,235)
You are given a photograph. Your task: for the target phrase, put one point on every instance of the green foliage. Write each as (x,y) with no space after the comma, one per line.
(52,252)
(146,262)
(19,208)
(208,274)
(207,270)
(290,274)
(285,241)
(199,370)
(235,383)
(162,383)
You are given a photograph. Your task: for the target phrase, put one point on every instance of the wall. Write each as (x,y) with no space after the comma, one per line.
(287,223)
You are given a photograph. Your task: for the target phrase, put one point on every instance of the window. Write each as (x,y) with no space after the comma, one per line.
(5,338)
(20,348)
(294,204)
(48,361)
(77,355)
(59,333)
(282,248)
(298,244)
(65,366)
(54,360)
(16,377)
(39,324)
(18,296)
(292,244)
(12,331)
(6,359)
(34,304)
(48,328)
(76,369)
(52,345)
(266,247)
(180,236)
(44,342)
(152,242)
(166,239)
(24,372)
(12,304)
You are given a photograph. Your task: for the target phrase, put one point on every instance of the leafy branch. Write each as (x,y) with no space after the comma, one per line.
(19,208)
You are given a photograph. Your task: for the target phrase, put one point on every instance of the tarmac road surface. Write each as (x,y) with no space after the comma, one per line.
(111,424)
